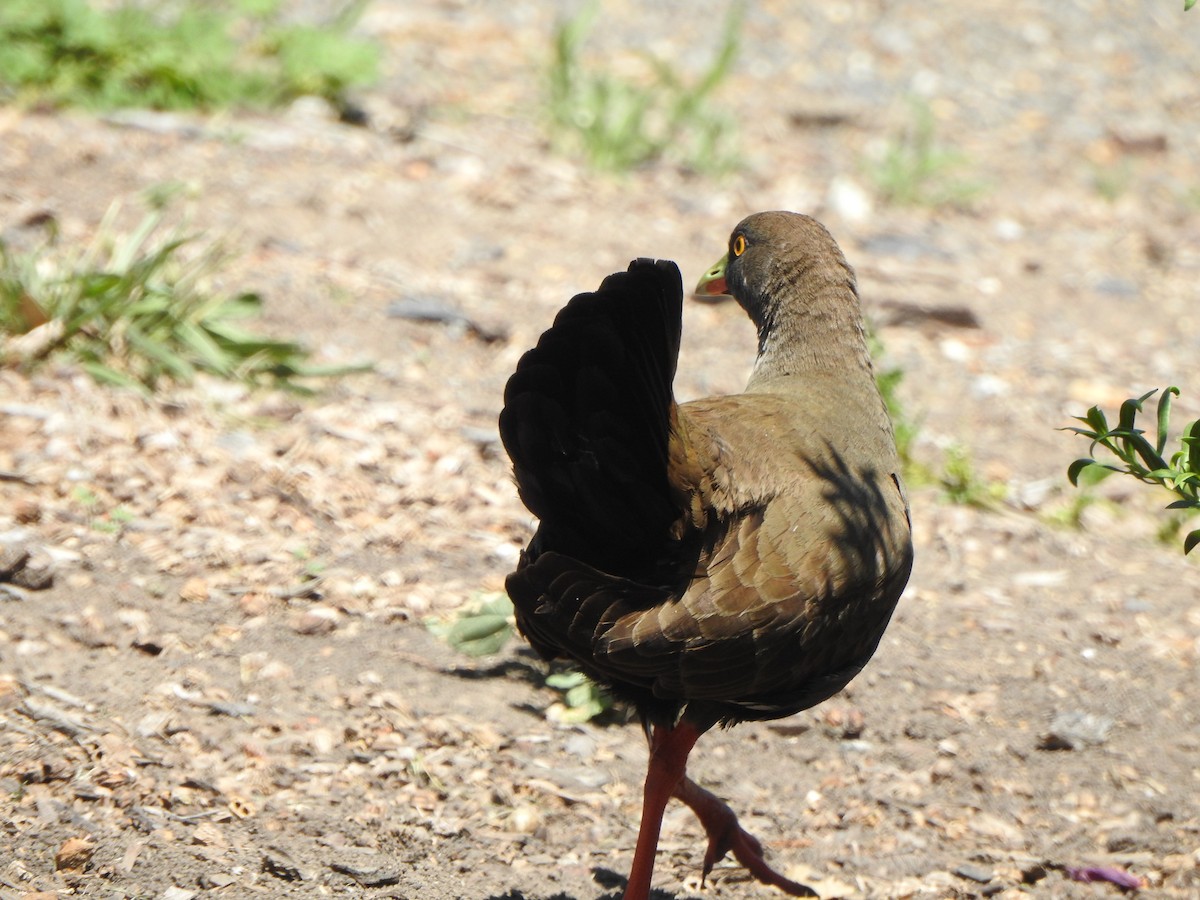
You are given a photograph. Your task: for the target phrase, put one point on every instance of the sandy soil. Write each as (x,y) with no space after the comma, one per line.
(227,688)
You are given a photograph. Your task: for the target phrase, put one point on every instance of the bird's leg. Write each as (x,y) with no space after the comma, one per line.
(669,749)
(726,835)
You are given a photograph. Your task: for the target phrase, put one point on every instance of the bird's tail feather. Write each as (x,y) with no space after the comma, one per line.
(587,416)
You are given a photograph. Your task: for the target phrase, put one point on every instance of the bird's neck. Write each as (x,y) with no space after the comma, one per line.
(820,336)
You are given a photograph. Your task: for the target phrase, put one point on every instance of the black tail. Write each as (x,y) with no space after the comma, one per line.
(587,415)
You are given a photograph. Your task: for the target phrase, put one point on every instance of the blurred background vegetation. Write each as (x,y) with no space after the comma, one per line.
(205,54)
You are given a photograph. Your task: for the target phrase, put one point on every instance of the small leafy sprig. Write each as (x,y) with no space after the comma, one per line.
(1141,459)
(487,624)
(482,628)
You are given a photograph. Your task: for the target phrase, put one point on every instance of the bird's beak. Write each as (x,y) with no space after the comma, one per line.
(712,283)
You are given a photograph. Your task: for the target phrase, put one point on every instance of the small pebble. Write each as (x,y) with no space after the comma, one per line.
(1076,729)
(194,590)
(74,855)
(974,873)
(525,819)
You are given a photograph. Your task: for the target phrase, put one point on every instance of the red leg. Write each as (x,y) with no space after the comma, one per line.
(669,749)
(725,835)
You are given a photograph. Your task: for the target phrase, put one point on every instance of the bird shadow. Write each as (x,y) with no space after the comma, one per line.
(528,668)
(517,669)
(613,881)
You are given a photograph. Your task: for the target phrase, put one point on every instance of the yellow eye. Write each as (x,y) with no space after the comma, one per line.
(739,245)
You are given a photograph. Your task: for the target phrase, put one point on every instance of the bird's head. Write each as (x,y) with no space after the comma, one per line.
(784,268)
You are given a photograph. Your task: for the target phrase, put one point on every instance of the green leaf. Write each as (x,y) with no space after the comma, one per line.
(496,603)
(1165,473)
(581,695)
(1129,410)
(1191,541)
(108,375)
(1191,440)
(1083,469)
(482,629)
(1093,475)
(565,681)
(577,715)
(1077,468)
(480,635)
(167,359)
(1096,418)
(1164,415)
(204,348)
(1143,448)
(332,370)
(584,700)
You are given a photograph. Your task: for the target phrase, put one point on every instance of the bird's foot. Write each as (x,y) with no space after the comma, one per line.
(726,836)
(747,851)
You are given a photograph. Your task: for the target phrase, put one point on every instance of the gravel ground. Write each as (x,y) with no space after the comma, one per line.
(215,677)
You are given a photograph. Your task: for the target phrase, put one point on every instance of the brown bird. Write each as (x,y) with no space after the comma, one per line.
(728,559)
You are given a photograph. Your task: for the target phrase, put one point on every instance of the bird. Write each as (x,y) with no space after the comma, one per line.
(722,560)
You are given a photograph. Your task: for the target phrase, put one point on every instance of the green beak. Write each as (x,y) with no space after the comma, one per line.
(712,283)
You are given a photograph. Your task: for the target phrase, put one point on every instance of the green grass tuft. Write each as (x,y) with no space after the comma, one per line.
(916,170)
(888,381)
(960,483)
(186,55)
(137,310)
(618,123)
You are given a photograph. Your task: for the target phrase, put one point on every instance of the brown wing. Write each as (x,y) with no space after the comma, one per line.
(810,551)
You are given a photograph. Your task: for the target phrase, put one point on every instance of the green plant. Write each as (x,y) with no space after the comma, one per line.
(484,626)
(110,521)
(481,628)
(620,123)
(582,700)
(888,381)
(113,521)
(1070,513)
(85,497)
(134,310)
(916,170)
(961,484)
(176,55)
(1141,459)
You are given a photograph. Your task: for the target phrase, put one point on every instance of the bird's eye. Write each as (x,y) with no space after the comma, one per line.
(739,245)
